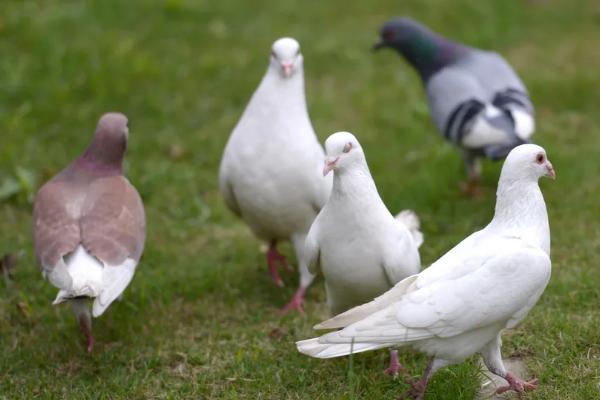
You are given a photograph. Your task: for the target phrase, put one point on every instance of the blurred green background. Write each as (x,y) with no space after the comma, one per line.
(199,320)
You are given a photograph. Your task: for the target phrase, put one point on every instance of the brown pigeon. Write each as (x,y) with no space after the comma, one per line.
(89,226)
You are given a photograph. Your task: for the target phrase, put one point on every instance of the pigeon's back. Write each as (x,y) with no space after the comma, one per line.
(492,72)
(105,215)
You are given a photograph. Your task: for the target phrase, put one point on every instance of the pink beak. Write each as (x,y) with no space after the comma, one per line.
(550,173)
(329,165)
(287,68)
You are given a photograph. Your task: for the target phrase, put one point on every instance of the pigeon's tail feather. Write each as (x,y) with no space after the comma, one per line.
(499,152)
(410,219)
(313,348)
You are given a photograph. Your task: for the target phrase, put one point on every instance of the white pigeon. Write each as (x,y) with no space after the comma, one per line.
(461,304)
(359,246)
(270,174)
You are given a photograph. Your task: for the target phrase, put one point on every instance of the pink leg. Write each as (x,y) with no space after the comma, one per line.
(295,302)
(395,365)
(471,188)
(86,327)
(273,258)
(517,384)
(417,390)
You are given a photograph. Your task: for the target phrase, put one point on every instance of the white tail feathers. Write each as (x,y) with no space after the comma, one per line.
(410,219)
(313,348)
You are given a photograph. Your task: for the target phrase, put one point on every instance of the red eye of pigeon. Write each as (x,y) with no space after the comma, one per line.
(347,147)
(540,158)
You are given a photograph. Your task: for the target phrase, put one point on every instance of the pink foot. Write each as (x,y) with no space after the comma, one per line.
(416,392)
(517,384)
(296,302)
(395,365)
(274,258)
(90,343)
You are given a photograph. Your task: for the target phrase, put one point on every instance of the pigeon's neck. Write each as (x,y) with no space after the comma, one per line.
(521,211)
(100,160)
(429,52)
(353,187)
(284,93)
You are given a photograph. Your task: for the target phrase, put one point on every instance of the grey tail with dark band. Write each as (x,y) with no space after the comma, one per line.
(512,97)
(460,118)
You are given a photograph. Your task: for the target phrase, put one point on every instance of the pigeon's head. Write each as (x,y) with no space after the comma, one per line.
(427,51)
(110,140)
(527,162)
(286,57)
(401,33)
(342,151)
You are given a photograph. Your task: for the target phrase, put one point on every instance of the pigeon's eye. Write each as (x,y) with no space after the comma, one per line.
(540,158)
(273,54)
(298,52)
(347,147)
(388,35)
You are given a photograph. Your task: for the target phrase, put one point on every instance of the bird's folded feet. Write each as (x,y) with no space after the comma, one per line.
(295,303)
(517,384)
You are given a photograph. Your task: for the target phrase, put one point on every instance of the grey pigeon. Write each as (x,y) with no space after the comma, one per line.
(361,249)
(270,173)
(460,305)
(89,225)
(475,97)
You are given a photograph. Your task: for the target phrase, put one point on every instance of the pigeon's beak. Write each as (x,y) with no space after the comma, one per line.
(287,68)
(329,165)
(378,45)
(550,173)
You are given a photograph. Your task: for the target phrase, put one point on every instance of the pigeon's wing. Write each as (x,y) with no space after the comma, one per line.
(363,311)
(226,189)
(400,254)
(453,89)
(449,263)
(311,253)
(497,76)
(504,287)
(113,224)
(464,110)
(56,231)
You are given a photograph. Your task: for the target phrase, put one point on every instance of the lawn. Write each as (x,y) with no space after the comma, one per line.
(199,319)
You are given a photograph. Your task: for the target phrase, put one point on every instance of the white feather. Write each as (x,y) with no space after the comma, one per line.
(460,304)
(271,170)
(362,249)
(82,275)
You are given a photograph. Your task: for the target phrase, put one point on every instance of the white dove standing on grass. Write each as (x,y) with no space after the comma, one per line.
(476,99)
(89,226)
(270,173)
(461,304)
(359,246)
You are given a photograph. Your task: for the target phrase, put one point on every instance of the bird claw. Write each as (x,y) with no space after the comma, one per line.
(295,303)
(416,391)
(517,384)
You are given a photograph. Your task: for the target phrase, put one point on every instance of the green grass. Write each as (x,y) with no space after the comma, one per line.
(195,321)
